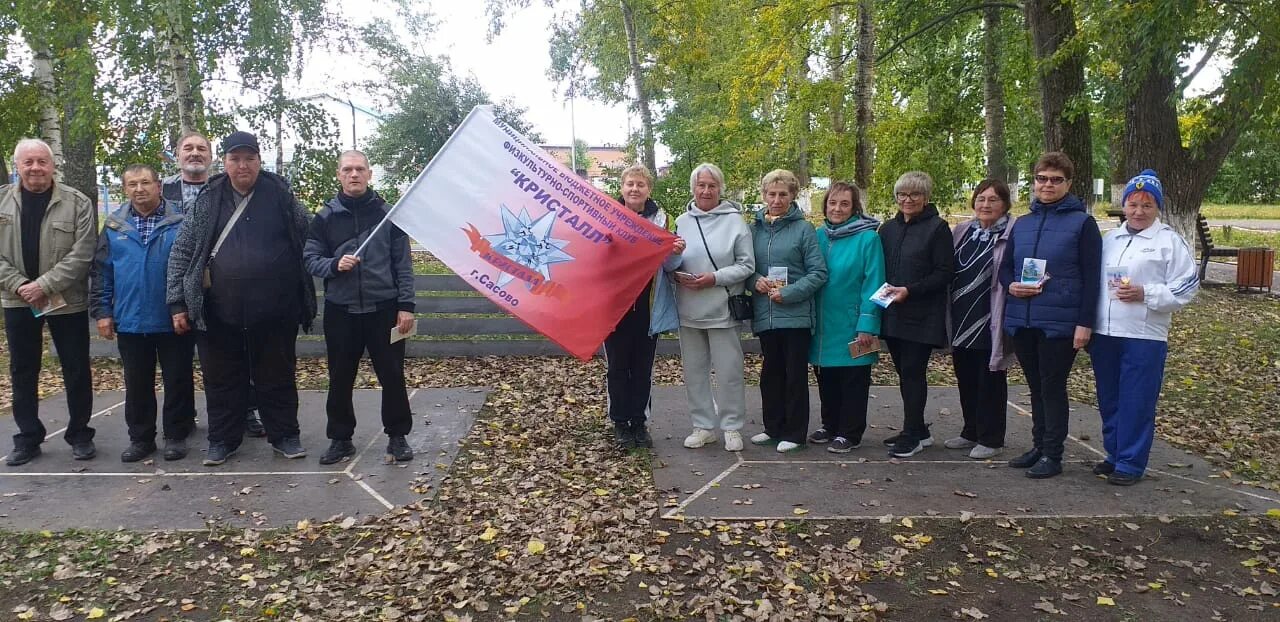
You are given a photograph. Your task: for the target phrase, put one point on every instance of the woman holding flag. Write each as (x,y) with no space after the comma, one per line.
(713,267)
(629,349)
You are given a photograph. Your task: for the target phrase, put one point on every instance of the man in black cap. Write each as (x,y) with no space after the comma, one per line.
(236,276)
(194,153)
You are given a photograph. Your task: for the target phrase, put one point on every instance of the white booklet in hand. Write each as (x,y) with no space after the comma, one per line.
(1116,276)
(882,296)
(396,335)
(1033,271)
(52,303)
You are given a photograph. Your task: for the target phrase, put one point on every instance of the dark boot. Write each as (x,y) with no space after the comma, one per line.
(623,436)
(1026,460)
(1045,468)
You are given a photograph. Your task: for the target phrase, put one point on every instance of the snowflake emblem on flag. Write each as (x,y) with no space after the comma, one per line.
(528,242)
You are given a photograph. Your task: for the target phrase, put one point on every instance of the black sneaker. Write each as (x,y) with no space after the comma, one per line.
(622,436)
(820,436)
(1026,460)
(842,445)
(175,449)
(253,424)
(137,451)
(22,454)
(893,440)
(338,451)
(83,450)
(1046,467)
(218,453)
(907,446)
(641,435)
(398,448)
(289,447)
(1123,479)
(1104,468)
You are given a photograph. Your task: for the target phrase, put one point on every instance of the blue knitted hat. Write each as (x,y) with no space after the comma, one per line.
(1146,181)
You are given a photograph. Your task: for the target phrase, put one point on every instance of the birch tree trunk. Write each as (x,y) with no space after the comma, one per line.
(176,59)
(50,115)
(835,58)
(642,96)
(993,98)
(864,92)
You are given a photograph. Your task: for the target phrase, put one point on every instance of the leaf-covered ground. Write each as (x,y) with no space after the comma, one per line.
(541,518)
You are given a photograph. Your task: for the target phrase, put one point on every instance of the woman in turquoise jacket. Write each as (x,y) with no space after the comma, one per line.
(846,318)
(789,272)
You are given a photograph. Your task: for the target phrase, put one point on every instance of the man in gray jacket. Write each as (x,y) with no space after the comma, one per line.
(366,296)
(47,236)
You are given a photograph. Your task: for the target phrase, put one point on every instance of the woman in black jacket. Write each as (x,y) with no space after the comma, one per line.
(918,266)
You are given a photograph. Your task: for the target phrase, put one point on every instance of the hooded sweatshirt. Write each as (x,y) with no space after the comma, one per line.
(727,253)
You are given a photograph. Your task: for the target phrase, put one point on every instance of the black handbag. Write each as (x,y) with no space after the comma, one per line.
(740,304)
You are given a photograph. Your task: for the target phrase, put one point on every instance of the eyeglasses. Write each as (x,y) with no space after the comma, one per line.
(1045,179)
(903,196)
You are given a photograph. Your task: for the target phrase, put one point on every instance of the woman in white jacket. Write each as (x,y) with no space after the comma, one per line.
(1148,273)
(715,264)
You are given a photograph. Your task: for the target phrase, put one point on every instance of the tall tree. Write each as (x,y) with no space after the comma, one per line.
(641,91)
(993,97)
(863,93)
(1187,141)
(1064,106)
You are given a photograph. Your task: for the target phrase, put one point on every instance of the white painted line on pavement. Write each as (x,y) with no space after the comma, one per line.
(49,437)
(908,461)
(191,474)
(1103,454)
(705,487)
(352,464)
(369,489)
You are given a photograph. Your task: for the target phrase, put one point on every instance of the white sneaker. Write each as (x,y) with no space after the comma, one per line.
(698,438)
(958,442)
(982,452)
(761,439)
(788,446)
(732,440)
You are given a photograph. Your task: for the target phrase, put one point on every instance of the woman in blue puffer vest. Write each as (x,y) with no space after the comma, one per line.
(1050,320)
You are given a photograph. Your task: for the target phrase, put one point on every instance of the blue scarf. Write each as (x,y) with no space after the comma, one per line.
(849,227)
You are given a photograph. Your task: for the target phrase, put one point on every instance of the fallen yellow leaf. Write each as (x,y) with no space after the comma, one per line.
(536,547)
(95,613)
(635,558)
(938,592)
(248,552)
(853,544)
(1106,601)
(906,522)
(799,511)
(489,534)
(601,492)
(1274,512)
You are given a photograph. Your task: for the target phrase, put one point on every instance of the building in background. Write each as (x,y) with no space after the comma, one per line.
(606,162)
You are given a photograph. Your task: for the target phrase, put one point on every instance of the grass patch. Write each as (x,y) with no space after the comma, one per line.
(1240,212)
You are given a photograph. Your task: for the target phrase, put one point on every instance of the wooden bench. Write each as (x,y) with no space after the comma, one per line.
(1116,213)
(1207,248)
(457,322)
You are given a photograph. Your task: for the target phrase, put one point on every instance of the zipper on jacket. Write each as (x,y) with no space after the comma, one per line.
(1120,261)
(1035,250)
(359,267)
(769,255)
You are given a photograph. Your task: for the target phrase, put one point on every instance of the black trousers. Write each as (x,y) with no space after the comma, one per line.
(347,336)
(784,383)
(628,353)
(138,354)
(984,396)
(25,336)
(911,361)
(844,392)
(1047,363)
(230,358)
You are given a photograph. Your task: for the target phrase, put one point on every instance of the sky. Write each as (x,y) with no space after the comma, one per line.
(514,64)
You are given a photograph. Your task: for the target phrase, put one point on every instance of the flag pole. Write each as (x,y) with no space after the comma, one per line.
(418,179)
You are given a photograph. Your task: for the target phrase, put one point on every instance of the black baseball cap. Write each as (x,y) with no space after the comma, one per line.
(239,140)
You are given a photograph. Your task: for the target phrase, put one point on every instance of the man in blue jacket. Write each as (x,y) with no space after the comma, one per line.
(127,299)
(366,297)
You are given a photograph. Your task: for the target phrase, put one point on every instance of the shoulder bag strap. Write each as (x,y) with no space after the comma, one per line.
(226,230)
(706,249)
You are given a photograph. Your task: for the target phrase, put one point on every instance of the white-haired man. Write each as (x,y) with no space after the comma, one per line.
(47,236)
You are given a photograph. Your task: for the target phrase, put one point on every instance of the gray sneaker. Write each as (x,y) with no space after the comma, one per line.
(820,436)
(289,447)
(982,452)
(842,445)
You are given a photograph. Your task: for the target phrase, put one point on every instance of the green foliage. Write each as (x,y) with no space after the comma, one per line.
(428,102)
(1251,174)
